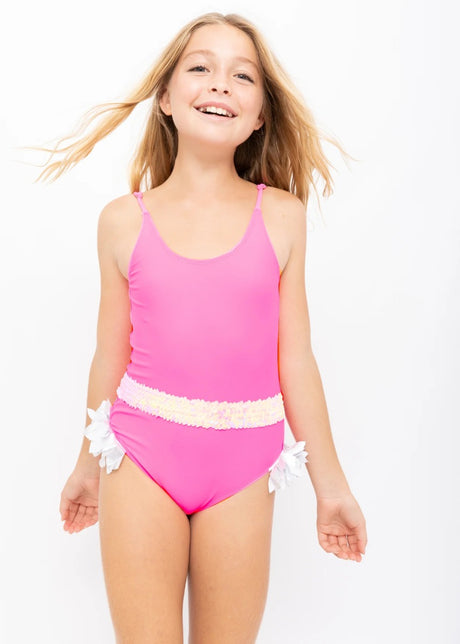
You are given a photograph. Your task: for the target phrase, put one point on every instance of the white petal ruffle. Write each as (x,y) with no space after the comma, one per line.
(288,466)
(102,438)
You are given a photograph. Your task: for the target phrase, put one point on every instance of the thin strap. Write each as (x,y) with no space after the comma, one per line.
(260,188)
(138,196)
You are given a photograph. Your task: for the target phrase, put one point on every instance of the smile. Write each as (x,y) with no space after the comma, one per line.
(215,116)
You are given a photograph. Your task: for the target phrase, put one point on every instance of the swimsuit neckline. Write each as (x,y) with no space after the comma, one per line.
(204,260)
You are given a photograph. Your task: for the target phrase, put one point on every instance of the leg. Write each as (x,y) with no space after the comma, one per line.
(229,566)
(145,539)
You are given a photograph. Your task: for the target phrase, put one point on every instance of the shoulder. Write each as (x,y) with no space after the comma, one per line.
(289,212)
(115,213)
(289,206)
(118,220)
(117,216)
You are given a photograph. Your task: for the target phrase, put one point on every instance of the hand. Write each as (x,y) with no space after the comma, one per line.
(339,519)
(80,500)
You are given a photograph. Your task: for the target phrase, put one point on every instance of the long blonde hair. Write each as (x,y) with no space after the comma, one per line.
(285,152)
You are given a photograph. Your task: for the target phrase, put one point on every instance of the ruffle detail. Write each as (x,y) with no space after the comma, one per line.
(288,466)
(216,414)
(102,438)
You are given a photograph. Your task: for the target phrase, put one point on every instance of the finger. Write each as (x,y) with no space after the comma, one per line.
(353,554)
(355,547)
(89,516)
(338,546)
(351,548)
(71,512)
(94,515)
(64,508)
(343,543)
(80,516)
(74,520)
(361,541)
(329,543)
(337,551)
(358,542)
(344,555)
(346,547)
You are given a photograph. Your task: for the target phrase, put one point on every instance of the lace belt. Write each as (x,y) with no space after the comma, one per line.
(201,413)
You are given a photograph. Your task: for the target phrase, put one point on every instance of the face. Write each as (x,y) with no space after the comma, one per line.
(220,75)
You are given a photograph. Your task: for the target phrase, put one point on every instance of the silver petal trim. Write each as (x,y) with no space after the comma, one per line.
(288,466)
(102,438)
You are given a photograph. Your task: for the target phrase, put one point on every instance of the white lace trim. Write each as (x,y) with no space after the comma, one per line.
(288,466)
(102,438)
(201,413)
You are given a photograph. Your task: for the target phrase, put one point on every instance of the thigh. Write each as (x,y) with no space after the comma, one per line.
(230,546)
(145,539)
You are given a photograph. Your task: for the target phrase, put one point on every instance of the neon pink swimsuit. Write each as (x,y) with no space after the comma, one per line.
(199,408)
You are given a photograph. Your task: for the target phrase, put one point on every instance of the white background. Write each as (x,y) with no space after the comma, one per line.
(382,283)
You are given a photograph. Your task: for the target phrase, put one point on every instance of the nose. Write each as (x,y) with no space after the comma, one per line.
(217,88)
(221,86)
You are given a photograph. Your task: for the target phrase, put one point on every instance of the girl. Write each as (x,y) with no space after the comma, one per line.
(203,345)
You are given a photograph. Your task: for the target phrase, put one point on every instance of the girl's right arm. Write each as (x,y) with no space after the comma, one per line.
(79,503)
(113,349)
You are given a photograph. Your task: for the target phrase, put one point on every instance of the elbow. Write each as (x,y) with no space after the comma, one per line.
(111,362)
(296,366)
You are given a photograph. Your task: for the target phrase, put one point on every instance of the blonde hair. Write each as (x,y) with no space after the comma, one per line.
(285,152)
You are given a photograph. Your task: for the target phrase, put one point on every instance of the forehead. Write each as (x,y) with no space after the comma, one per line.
(221,41)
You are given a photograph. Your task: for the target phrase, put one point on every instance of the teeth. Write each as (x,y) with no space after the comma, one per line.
(215,110)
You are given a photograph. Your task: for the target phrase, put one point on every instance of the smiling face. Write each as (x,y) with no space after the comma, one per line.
(227,73)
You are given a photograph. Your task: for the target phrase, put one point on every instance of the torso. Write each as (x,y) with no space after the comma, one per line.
(207,235)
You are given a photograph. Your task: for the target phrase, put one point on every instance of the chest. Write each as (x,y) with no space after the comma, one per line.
(202,238)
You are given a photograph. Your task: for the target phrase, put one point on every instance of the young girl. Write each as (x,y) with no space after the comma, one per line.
(203,345)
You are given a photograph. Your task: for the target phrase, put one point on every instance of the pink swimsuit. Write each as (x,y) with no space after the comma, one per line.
(199,408)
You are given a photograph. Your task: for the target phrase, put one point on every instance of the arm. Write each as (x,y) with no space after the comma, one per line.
(113,350)
(300,381)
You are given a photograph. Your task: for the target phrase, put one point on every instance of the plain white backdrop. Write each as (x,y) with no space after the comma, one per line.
(382,275)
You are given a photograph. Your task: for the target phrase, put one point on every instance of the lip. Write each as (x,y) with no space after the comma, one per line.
(214,104)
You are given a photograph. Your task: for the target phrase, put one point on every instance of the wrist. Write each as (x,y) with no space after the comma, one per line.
(328,479)
(87,462)
(334,496)
(333,490)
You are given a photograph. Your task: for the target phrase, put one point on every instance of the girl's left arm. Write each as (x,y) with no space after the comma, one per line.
(301,386)
(340,522)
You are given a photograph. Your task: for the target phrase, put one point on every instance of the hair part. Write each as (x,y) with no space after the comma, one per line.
(285,152)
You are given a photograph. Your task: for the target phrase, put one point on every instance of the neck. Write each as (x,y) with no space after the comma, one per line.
(204,171)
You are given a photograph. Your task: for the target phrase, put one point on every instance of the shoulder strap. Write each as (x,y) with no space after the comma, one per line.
(260,188)
(138,196)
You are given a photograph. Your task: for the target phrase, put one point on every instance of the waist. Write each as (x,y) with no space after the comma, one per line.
(216,414)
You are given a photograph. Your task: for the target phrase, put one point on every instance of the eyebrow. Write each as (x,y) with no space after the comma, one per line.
(211,53)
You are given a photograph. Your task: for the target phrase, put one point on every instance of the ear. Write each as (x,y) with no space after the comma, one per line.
(165,103)
(260,122)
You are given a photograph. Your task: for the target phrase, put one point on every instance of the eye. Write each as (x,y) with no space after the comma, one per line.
(248,77)
(192,69)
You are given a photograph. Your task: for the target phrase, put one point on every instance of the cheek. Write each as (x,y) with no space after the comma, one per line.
(252,102)
(191,86)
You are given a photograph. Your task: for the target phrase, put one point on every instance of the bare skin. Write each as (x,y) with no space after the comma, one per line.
(149,546)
